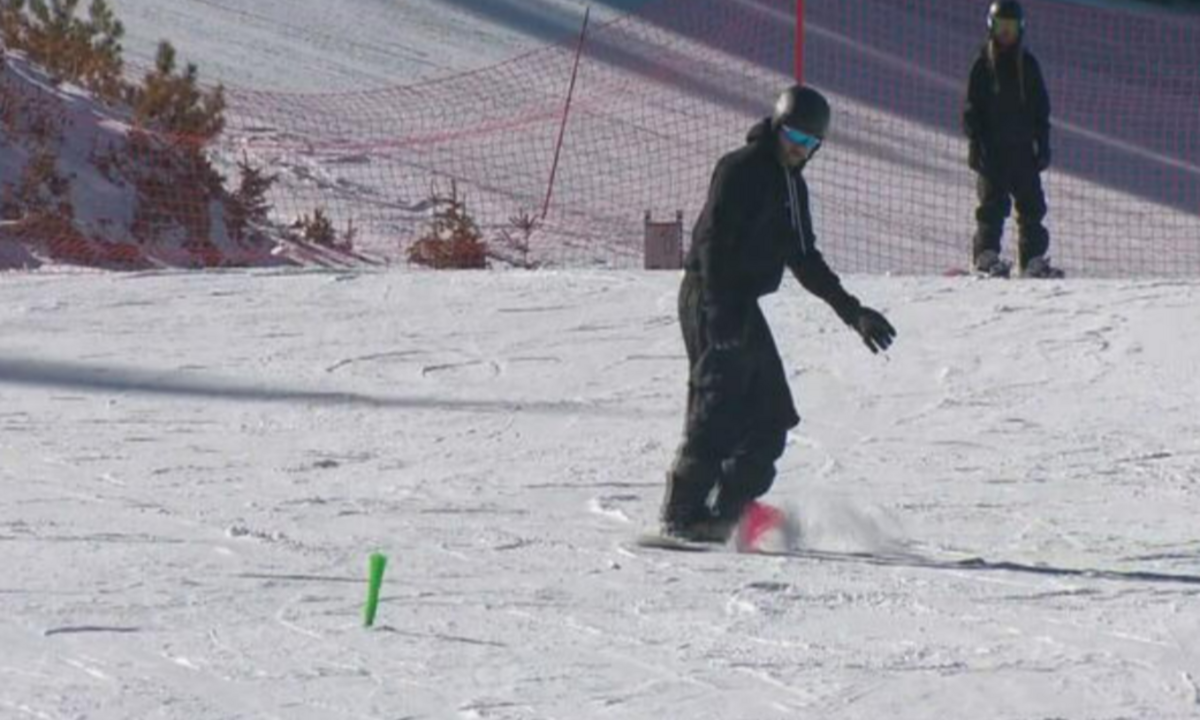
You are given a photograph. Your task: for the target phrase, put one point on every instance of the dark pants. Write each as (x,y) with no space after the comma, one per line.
(739,410)
(1012,178)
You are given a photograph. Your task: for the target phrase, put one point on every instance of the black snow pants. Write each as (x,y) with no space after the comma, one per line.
(1011,177)
(739,410)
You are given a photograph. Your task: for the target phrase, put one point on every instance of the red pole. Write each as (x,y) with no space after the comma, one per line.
(562,131)
(799,49)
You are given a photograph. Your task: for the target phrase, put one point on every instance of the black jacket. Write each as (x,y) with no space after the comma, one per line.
(755,222)
(1007,104)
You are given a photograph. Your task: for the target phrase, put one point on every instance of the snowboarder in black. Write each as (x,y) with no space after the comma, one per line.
(756,221)
(1007,121)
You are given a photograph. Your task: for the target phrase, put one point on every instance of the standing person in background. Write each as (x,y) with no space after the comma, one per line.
(756,221)
(1007,121)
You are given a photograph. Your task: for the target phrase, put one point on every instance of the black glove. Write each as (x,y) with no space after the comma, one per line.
(877,333)
(977,157)
(726,327)
(1043,156)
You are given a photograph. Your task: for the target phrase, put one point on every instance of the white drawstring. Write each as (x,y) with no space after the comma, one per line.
(794,207)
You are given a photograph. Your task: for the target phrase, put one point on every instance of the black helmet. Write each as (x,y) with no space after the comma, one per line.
(1007,9)
(802,108)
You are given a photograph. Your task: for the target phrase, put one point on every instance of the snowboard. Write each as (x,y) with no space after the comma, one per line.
(1004,274)
(1007,272)
(659,541)
(763,528)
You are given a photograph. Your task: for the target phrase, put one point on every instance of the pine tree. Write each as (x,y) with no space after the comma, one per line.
(175,103)
(71,49)
(453,239)
(248,204)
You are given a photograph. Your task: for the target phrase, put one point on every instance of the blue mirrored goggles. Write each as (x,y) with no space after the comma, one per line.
(803,139)
(1012,26)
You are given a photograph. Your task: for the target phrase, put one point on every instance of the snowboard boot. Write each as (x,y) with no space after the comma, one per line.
(991,264)
(685,512)
(722,520)
(703,524)
(1040,267)
(701,529)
